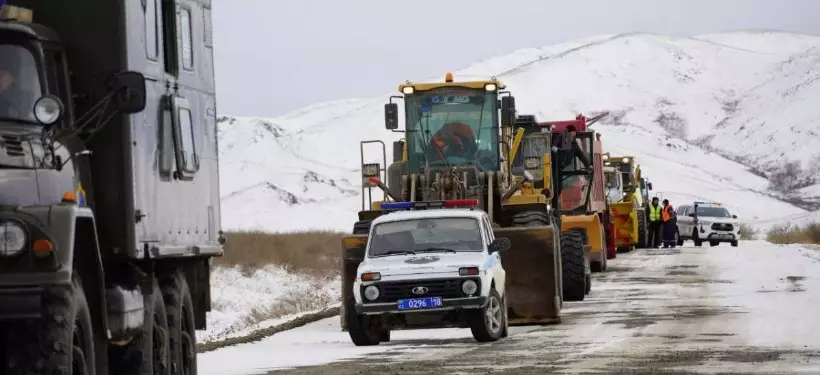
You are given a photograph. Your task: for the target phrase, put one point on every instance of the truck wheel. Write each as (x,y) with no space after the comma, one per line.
(589,284)
(573,265)
(488,322)
(149,353)
(181,331)
(358,327)
(734,243)
(61,342)
(362,227)
(714,243)
(641,229)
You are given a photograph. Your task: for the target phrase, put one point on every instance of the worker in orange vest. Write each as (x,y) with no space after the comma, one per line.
(670,225)
(453,139)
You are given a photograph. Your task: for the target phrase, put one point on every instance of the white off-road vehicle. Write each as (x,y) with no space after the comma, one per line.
(707,222)
(436,268)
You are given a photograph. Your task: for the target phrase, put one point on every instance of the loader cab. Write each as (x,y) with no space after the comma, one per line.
(451,123)
(533,151)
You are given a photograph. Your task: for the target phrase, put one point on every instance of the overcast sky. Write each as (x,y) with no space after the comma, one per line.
(275,56)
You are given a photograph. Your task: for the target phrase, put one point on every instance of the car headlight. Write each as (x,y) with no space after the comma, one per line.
(371,293)
(469,287)
(12,238)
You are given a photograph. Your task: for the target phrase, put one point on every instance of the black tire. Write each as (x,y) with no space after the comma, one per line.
(589,284)
(48,345)
(596,266)
(482,328)
(149,353)
(734,243)
(362,227)
(695,238)
(356,327)
(506,331)
(181,332)
(713,243)
(573,264)
(530,219)
(384,336)
(678,238)
(642,244)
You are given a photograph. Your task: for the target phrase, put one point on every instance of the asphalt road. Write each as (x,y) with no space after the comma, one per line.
(750,309)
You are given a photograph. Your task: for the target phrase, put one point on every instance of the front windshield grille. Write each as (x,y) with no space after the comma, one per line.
(425,235)
(452,126)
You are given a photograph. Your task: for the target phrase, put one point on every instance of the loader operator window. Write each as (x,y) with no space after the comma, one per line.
(19,83)
(452,126)
(426,235)
(530,156)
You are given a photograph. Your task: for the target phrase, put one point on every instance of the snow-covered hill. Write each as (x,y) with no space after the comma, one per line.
(709,117)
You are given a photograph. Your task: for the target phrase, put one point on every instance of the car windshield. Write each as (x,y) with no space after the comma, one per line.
(713,212)
(19,83)
(452,126)
(420,235)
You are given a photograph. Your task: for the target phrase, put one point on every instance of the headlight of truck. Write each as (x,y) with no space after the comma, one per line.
(469,287)
(371,293)
(12,238)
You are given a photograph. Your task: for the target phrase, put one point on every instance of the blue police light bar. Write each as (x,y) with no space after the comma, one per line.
(393,205)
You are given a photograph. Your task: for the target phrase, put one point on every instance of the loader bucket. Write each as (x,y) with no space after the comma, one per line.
(625,219)
(353,247)
(532,267)
(594,230)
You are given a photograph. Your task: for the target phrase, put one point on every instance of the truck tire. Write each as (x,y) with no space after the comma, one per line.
(642,241)
(362,227)
(149,353)
(734,243)
(573,265)
(359,333)
(489,323)
(181,332)
(47,345)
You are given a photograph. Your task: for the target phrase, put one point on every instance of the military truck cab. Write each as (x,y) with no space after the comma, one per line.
(99,131)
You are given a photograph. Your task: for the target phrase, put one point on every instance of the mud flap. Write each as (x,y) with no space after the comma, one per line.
(532,266)
(353,248)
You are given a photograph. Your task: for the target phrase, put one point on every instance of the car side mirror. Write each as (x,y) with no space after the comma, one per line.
(130,91)
(499,244)
(734,216)
(391,116)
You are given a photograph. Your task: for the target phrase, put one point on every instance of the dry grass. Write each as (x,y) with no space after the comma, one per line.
(747,232)
(316,253)
(294,302)
(789,234)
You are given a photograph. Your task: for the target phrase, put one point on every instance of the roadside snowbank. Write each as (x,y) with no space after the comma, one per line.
(244,301)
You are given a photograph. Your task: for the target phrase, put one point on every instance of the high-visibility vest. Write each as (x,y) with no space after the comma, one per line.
(654,212)
(667,213)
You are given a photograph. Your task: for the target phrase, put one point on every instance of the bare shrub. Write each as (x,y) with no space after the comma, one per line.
(794,234)
(316,253)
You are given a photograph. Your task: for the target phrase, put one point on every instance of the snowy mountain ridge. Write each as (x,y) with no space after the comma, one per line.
(711,117)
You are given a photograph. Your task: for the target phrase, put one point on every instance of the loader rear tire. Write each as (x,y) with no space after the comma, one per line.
(642,229)
(573,264)
(362,227)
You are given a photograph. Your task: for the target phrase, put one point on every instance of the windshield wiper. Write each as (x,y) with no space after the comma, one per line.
(397,252)
(435,249)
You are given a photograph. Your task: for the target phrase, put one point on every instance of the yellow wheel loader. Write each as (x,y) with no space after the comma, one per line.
(580,190)
(457,139)
(628,195)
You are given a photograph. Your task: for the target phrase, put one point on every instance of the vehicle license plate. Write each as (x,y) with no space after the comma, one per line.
(727,236)
(420,303)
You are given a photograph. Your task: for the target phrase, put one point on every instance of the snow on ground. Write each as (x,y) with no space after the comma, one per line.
(717,309)
(675,103)
(245,302)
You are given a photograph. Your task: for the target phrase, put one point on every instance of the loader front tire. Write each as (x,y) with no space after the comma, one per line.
(530,219)
(362,227)
(573,264)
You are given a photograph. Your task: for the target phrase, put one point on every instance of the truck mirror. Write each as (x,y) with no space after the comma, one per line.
(391,116)
(649,185)
(48,110)
(507,110)
(499,244)
(130,87)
